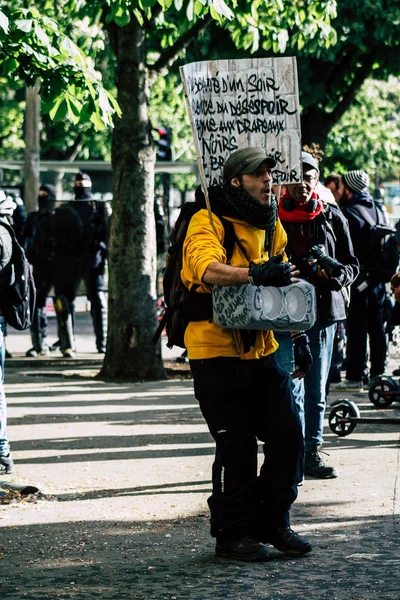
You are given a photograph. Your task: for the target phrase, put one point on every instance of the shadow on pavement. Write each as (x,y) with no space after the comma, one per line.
(175,560)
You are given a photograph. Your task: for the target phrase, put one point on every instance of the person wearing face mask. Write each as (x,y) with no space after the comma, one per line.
(39,248)
(81,253)
(319,244)
(95,217)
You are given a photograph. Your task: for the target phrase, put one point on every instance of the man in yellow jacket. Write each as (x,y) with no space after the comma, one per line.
(243,393)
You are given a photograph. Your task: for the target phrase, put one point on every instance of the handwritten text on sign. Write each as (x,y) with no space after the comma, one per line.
(245,103)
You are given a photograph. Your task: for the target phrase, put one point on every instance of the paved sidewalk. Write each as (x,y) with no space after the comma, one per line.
(124,475)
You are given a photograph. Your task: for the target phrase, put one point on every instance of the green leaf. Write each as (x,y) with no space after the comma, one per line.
(3,22)
(60,110)
(215,15)
(41,35)
(68,48)
(76,106)
(198,8)
(222,9)
(123,19)
(114,103)
(24,25)
(139,16)
(104,103)
(97,121)
(71,111)
(50,23)
(190,10)
(34,12)
(9,66)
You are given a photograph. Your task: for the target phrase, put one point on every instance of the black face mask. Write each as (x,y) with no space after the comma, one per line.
(82,193)
(46,204)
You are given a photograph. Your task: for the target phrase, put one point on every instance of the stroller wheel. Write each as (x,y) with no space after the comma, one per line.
(382,392)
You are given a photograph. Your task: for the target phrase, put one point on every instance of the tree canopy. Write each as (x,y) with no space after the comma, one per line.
(368,135)
(146,37)
(34,44)
(368,42)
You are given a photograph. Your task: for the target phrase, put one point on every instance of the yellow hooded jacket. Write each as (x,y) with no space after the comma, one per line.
(203,247)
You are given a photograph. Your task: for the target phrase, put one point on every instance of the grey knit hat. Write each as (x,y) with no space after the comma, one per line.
(245,160)
(357,181)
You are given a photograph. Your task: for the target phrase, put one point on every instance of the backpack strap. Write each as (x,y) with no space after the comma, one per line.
(248,337)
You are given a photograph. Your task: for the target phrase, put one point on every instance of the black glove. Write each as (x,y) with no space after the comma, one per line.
(273,272)
(302,353)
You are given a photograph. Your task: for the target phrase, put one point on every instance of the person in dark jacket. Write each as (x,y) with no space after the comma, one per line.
(81,233)
(95,218)
(367,301)
(319,244)
(39,247)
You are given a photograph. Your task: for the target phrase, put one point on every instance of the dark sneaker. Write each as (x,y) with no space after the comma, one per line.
(6,465)
(396,372)
(32,353)
(289,542)
(55,346)
(246,549)
(315,466)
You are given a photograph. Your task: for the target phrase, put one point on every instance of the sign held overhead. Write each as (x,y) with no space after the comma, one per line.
(244,103)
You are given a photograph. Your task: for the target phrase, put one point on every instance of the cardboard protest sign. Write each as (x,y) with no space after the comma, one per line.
(244,103)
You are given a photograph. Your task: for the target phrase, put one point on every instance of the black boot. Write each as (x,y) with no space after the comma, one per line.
(246,549)
(38,335)
(98,310)
(314,465)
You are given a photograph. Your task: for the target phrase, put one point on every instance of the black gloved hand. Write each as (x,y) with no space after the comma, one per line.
(273,272)
(302,355)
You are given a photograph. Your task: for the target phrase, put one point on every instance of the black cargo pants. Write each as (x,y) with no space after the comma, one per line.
(243,401)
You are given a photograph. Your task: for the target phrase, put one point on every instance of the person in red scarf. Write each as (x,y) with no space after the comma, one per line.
(319,244)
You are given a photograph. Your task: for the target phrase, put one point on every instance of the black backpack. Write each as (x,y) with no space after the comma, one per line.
(383,249)
(17,295)
(182,305)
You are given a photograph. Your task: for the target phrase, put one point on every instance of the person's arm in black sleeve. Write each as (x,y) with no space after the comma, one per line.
(344,254)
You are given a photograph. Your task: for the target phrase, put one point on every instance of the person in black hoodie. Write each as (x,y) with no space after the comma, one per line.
(319,245)
(366,310)
(95,216)
(39,247)
(81,233)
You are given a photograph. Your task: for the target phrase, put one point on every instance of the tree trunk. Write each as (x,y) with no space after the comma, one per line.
(32,147)
(131,353)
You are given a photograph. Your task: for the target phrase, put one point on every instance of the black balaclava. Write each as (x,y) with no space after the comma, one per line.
(83,191)
(47,202)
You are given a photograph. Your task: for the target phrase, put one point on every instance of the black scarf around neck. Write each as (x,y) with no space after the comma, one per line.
(249,210)
(236,203)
